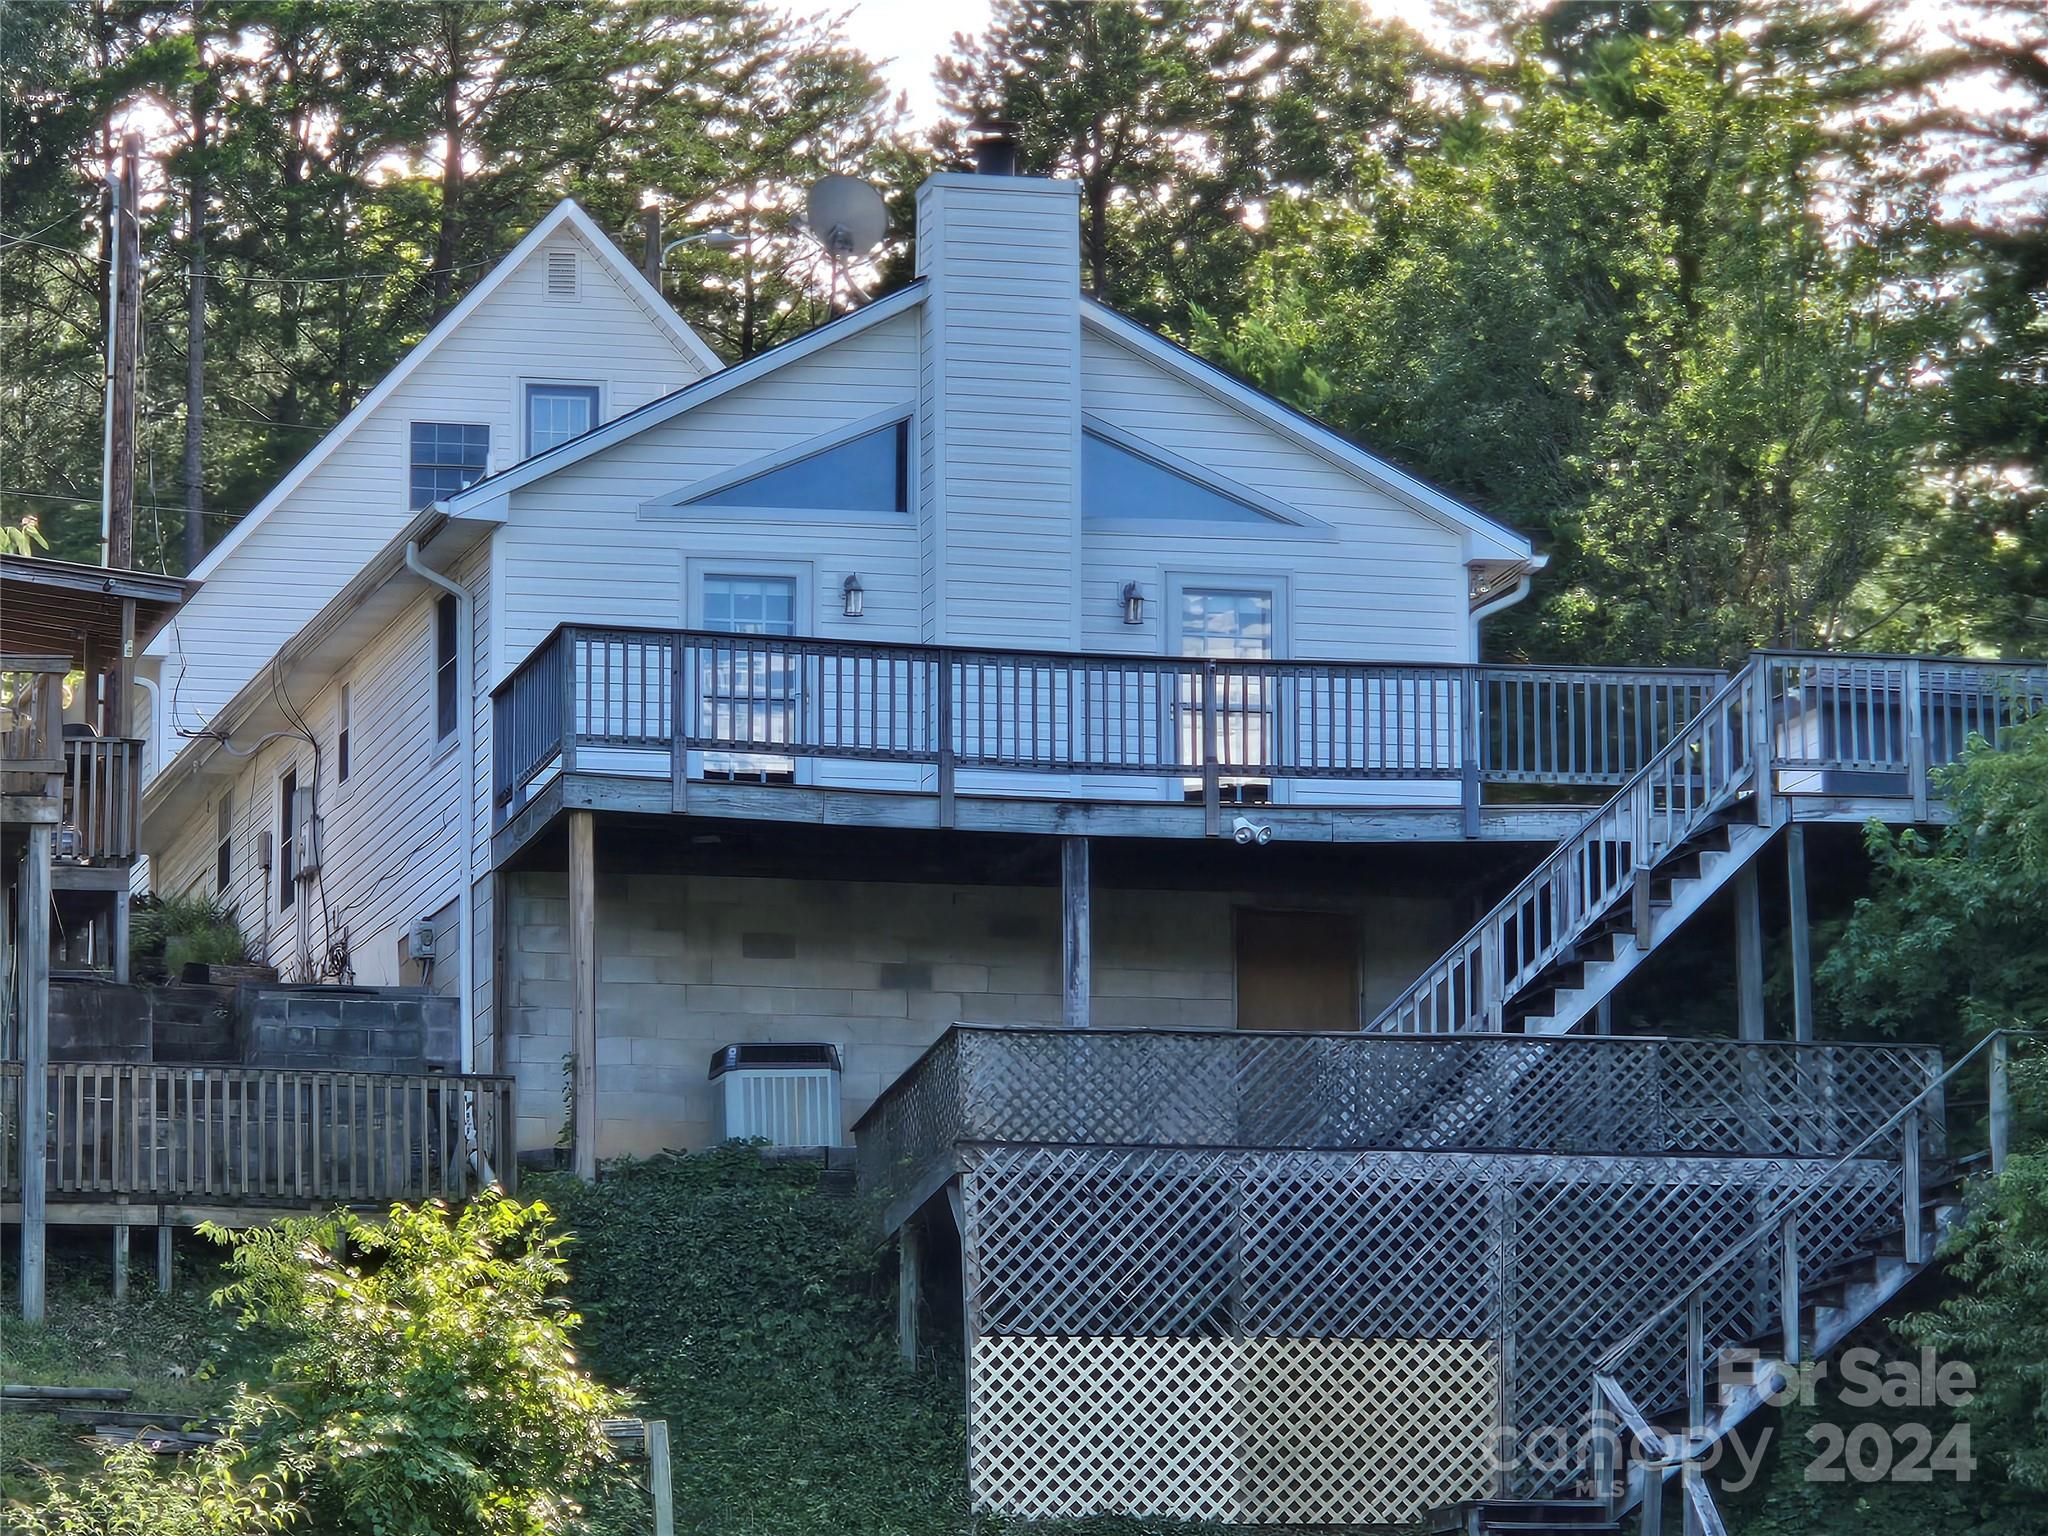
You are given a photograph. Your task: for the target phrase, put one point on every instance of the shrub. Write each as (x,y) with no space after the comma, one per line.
(429,1389)
(186,930)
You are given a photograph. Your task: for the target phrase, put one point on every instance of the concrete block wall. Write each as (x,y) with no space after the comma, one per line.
(686,964)
(387,1029)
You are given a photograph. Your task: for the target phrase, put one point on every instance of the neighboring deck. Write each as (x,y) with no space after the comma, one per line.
(143,1145)
(656,722)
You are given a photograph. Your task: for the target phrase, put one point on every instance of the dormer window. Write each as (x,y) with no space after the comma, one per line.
(1119,484)
(868,473)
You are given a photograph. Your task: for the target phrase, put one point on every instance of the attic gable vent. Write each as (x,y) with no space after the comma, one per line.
(564,275)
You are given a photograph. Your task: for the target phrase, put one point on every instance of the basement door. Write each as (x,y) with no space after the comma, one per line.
(1297,970)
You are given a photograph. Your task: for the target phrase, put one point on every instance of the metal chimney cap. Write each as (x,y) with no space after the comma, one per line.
(995,147)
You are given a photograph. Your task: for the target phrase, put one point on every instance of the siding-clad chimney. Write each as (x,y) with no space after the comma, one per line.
(1000,438)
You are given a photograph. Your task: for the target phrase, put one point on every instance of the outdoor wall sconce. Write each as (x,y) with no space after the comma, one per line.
(1134,604)
(853,597)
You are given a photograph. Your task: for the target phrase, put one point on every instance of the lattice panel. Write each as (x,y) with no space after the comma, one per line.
(1257,1431)
(1546,1260)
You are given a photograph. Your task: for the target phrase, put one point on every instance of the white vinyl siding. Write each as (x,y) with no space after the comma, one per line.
(578,549)
(357,500)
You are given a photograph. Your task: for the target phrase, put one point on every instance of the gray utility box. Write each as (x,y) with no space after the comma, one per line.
(785,1093)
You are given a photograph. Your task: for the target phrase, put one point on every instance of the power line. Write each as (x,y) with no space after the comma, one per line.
(214,275)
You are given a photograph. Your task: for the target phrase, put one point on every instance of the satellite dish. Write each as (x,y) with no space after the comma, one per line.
(847,215)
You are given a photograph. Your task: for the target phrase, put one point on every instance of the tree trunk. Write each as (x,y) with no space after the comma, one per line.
(446,246)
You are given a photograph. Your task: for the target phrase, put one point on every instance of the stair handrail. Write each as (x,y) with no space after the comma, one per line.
(1486,937)
(1607,1384)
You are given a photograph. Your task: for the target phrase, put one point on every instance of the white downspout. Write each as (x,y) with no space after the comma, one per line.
(465,660)
(1507,599)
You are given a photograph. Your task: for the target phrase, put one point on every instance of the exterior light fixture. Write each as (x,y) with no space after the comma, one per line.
(853,597)
(1134,604)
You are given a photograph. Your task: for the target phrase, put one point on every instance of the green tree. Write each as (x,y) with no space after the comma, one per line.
(1178,121)
(1948,943)
(1660,300)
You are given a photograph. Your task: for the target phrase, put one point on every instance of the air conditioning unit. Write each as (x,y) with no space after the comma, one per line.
(785,1093)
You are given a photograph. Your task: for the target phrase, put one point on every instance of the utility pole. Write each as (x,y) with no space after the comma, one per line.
(124,338)
(650,243)
(195,304)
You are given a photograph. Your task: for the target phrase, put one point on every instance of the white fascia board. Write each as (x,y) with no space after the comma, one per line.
(563,213)
(465,503)
(1485,539)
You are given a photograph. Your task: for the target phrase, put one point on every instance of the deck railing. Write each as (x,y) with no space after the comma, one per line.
(1635,1096)
(31,722)
(1816,723)
(261,1135)
(102,798)
(1197,721)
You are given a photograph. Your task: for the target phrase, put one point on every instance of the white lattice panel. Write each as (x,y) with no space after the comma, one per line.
(1250,1431)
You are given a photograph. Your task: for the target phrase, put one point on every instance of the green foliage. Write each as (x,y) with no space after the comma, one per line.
(1998,1320)
(186,930)
(753,1313)
(176,1354)
(1949,942)
(429,1386)
(209,1492)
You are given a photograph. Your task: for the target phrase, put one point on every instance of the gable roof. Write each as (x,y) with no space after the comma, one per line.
(565,213)
(1487,538)
(474,499)
(1495,539)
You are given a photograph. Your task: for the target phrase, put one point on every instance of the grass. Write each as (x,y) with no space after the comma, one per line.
(177,1353)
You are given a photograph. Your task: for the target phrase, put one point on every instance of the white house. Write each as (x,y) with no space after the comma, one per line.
(842,659)
(559,337)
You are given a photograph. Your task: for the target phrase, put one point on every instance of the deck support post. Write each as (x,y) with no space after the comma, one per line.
(1749,956)
(583,990)
(660,1480)
(2001,1100)
(32,1011)
(909,1288)
(1075,927)
(1603,1015)
(1690,1470)
(1802,945)
(121,1260)
(163,1256)
(1909,1189)
(1910,704)
(1788,1289)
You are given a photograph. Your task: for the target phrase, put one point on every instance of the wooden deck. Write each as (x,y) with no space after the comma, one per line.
(134,1142)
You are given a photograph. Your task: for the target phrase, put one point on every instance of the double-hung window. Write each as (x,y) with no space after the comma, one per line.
(750,693)
(447,457)
(557,412)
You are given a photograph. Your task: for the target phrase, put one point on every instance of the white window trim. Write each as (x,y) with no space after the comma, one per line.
(444,742)
(490,452)
(345,686)
(746,567)
(286,880)
(676,504)
(522,422)
(1286,522)
(1179,581)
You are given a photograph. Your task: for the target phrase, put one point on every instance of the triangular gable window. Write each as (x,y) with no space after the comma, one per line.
(868,473)
(1120,485)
